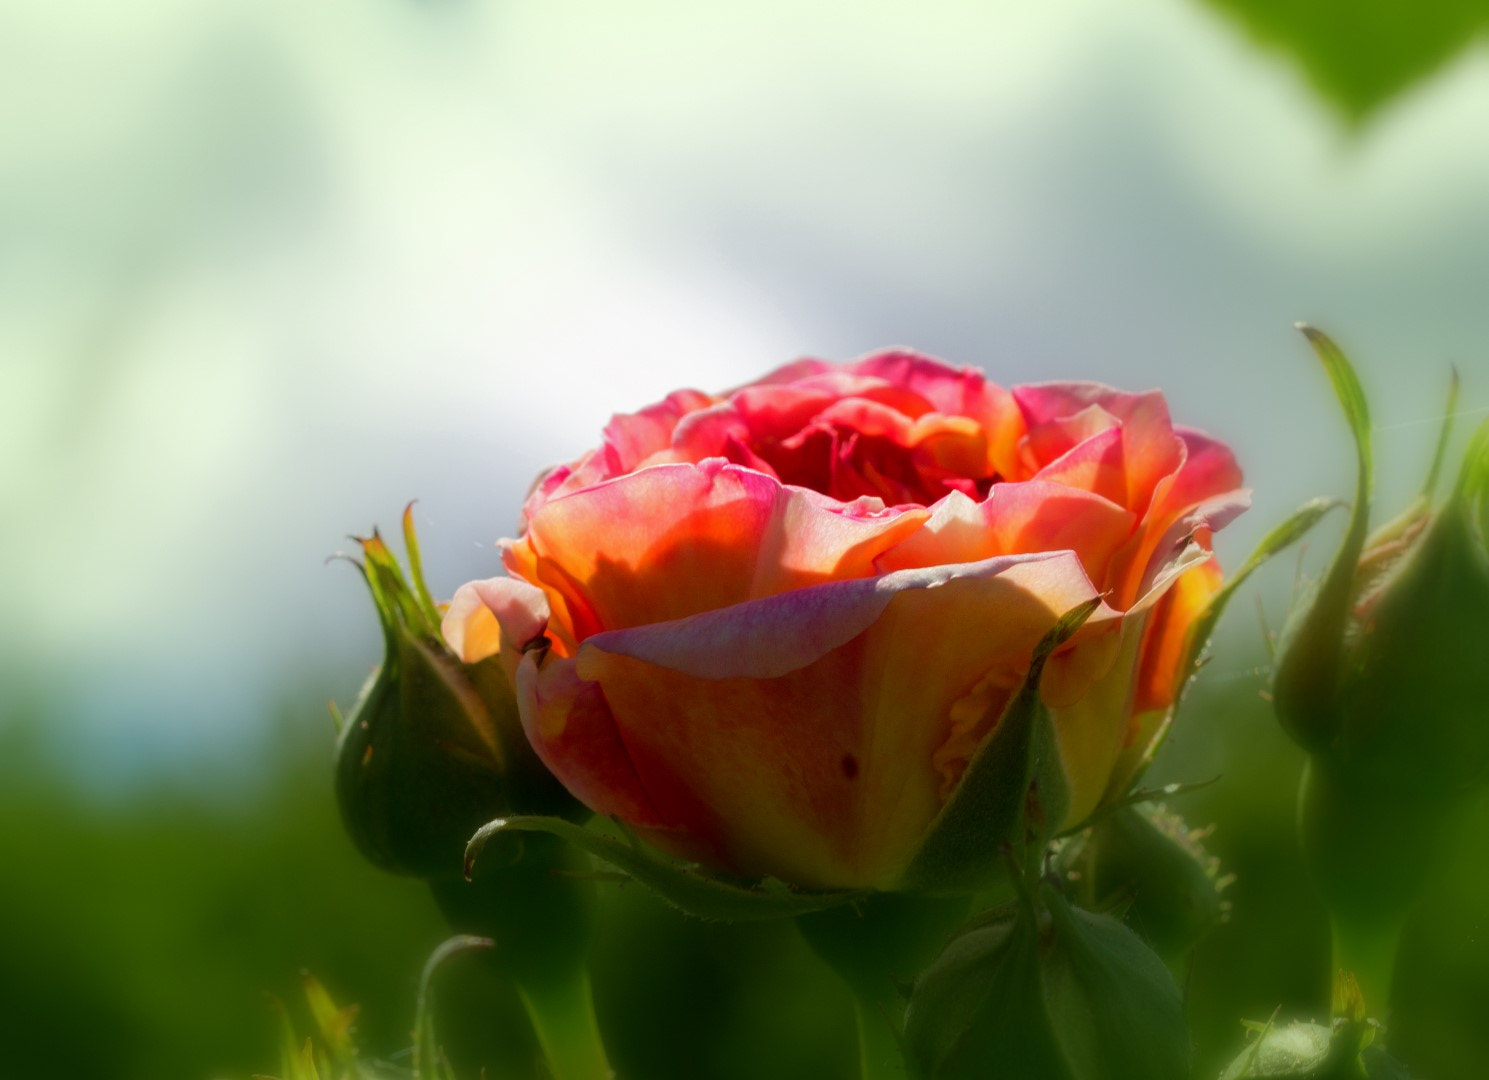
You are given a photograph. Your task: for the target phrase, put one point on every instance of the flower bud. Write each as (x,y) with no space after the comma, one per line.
(1345,1049)
(433,748)
(1382,672)
(1045,991)
(1147,854)
(1414,689)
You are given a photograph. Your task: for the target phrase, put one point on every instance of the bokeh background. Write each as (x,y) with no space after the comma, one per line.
(270,269)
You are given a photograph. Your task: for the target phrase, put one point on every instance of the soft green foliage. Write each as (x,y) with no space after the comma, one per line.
(1359,54)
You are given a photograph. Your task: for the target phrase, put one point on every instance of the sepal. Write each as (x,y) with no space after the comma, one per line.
(683,885)
(1012,796)
(1305,683)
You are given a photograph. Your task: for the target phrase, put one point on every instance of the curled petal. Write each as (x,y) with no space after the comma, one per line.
(1016,518)
(673,540)
(1059,413)
(498,616)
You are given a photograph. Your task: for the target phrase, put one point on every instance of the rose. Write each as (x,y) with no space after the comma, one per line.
(768,629)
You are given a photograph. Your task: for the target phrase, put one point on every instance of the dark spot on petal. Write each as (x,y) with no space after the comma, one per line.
(850,766)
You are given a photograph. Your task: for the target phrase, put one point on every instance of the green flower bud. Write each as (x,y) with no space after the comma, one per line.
(1149,856)
(1346,1049)
(433,749)
(1382,671)
(1305,1051)
(1045,991)
(1414,684)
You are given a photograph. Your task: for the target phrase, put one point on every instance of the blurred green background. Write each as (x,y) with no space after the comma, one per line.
(267,270)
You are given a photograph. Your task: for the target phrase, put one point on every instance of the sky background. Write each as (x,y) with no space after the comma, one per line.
(269,270)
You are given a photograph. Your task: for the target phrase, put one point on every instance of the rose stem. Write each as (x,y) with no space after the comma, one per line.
(562,1012)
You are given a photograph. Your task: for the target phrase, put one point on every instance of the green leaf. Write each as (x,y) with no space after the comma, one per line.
(1359,54)
(680,884)
(991,807)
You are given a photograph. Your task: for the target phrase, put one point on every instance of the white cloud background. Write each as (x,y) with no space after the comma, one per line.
(267,270)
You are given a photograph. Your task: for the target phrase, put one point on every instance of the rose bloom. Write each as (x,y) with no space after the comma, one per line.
(769,629)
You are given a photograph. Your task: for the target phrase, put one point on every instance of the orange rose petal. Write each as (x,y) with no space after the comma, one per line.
(807,723)
(1017,518)
(1202,495)
(570,725)
(1097,464)
(1160,677)
(1091,730)
(673,540)
(1150,449)
(1167,637)
(498,616)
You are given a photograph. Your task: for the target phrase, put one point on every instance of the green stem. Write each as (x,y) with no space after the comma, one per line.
(879,1053)
(563,1016)
(876,946)
(1367,950)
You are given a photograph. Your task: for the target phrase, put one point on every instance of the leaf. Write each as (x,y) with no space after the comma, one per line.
(678,883)
(1359,54)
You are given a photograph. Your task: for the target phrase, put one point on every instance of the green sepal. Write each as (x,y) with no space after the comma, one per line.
(681,884)
(333,1023)
(1444,436)
(430,1062)
(1306,680)
(1296,526)
(1046,991)
(1013,794)
(977,1008)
